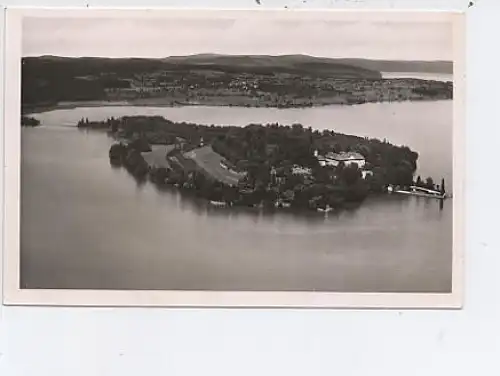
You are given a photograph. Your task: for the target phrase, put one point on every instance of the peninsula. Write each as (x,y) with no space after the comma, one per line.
(28,121)
(259,165)
(286,81)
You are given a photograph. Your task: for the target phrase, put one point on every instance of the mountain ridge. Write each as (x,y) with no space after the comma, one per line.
(296,61)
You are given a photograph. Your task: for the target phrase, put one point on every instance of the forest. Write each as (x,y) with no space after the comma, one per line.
(266,154)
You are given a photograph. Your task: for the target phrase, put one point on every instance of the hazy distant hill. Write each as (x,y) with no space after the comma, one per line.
(443,67)
(292,64)
(304,61)
(299,64)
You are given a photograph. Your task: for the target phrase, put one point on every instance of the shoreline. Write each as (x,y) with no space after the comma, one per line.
(194,156)
(37,109)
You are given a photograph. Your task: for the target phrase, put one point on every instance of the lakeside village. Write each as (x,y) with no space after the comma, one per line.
(282,91)
(269,166)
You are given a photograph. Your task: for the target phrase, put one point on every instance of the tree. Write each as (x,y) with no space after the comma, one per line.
(429,183)
(159,175)
(114,125)
(357,192)
(351,174)
(376,182)
(419,181)
(403,176)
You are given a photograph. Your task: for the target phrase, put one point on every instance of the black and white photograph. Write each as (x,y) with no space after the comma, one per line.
(234,158)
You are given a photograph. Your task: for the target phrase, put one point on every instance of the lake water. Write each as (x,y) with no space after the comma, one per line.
(419,75)
(86,225)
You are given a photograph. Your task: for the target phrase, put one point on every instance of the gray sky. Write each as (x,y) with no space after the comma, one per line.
(160,37)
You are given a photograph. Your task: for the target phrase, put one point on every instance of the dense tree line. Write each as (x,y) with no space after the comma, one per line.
(429,184)
(28,121)
(46,80)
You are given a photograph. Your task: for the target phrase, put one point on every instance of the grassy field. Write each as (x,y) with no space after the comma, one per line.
(157,157)
(210,161)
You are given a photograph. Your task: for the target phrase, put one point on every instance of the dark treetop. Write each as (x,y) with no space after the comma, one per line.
(27,121)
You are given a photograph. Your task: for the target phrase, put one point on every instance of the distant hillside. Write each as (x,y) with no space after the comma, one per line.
(305,61)
(251,64)
(438,67)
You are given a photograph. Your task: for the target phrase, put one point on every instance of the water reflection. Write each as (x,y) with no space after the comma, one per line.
(140,182)
(115,166)
(188,201)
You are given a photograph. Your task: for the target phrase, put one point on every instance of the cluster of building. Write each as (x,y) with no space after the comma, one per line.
(331,160)
(244,84)
(272,88)
(347,158)
(300,170)
(334,159)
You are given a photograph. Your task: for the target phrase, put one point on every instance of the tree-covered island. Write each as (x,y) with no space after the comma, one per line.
(28,121)
(259,165)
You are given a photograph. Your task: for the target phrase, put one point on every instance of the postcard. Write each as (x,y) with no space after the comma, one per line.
(234,158)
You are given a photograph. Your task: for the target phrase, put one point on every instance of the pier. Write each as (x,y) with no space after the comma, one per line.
(421,192)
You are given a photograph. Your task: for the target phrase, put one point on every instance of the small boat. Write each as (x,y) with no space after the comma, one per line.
(218,203)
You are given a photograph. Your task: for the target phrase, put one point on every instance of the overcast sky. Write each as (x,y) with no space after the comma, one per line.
(140,37)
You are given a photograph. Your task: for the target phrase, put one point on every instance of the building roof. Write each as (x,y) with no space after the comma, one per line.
(345,156)
(301,170)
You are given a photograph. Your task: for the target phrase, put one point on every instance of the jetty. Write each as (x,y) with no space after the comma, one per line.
(421,192)
(325,210)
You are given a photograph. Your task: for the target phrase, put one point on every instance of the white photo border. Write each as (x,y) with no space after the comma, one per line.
(14,295)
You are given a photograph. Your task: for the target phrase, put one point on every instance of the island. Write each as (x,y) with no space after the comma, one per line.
(28,121)
(259,165)
(287,81)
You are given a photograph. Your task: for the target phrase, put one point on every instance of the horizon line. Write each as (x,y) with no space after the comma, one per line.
(234,55)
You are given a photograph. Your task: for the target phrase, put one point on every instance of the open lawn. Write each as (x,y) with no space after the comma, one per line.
(157,157)
(210,161)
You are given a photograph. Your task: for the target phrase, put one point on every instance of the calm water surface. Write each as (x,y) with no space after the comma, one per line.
(419,75)
(86,225)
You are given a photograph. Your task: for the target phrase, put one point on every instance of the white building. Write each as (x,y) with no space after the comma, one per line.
(366,173)
(300,170)
(334,159)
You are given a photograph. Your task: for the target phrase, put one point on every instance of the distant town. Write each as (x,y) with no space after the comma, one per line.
(278,91)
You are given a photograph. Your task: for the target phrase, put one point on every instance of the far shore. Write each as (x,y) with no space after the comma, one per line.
(215,102)
(71,105)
